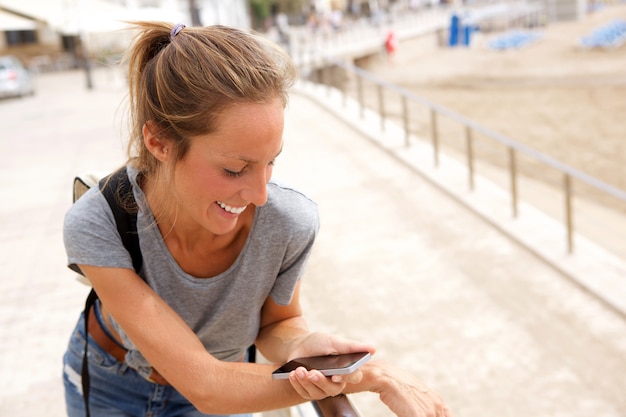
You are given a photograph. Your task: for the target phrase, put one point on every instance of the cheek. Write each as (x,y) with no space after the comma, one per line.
(208,186)
(195,182)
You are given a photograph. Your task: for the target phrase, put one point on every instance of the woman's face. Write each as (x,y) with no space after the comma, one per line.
(224,174)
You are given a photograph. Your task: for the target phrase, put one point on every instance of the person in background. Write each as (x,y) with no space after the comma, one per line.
(282,26)
(224,247)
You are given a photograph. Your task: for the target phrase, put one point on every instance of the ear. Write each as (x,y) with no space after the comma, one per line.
(161,149)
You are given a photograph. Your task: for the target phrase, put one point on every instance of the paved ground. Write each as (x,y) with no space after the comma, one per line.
(492,327)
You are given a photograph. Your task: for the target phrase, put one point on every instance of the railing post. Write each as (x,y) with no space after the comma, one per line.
(328,77)
(405,121)
(435,135)
(470,156)
(513,176)
(381,107)
(567,187)
(344,97)
(359,85)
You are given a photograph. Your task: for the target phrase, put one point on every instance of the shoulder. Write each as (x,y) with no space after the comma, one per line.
(290,196)
(88,219)
(90,233)
(289,201)
(289,207)
(91,206)
(92,212)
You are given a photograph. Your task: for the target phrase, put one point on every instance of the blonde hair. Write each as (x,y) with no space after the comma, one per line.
(182,80)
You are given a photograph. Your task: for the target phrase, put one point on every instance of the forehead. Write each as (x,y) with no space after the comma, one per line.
(246,113)
(248,131)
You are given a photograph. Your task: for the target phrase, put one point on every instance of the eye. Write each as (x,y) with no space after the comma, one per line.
(233,174)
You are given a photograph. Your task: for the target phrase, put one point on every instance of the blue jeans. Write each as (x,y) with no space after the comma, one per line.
(116,390)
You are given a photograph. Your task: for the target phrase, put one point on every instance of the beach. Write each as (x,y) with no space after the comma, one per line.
(551,95)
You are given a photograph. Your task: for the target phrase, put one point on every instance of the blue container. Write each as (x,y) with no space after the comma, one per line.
(455,28)
(467,35)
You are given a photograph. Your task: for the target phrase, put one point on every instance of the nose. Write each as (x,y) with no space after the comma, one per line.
(255,190)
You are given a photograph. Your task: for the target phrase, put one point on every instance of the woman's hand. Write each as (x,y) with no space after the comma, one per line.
(317,344)
(313,385)
(403,393)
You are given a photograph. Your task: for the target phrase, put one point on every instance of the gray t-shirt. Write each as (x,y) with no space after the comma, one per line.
(224,310)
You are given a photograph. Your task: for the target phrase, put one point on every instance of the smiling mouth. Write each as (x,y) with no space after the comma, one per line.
(231,209)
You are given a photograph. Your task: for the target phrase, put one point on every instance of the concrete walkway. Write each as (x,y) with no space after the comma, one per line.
(440,291)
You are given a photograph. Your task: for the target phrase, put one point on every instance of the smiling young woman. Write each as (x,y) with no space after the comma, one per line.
(223,246)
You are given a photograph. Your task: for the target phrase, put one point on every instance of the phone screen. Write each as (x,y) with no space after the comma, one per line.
(328,365)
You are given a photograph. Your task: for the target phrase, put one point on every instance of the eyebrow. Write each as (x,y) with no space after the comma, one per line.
(252,161)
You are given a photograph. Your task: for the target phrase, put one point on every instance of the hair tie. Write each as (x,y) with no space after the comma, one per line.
(176,30)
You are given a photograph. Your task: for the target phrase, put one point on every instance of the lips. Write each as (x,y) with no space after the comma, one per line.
(231,209)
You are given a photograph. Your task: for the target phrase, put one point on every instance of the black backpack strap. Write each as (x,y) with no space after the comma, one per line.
(85,380)
(117,190)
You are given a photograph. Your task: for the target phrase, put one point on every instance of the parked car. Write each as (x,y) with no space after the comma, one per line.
(15,79)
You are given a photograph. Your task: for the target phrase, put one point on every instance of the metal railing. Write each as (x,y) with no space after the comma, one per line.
(360,38)
(339,406)
(325,73)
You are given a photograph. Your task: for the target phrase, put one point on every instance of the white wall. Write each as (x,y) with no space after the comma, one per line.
(224,12)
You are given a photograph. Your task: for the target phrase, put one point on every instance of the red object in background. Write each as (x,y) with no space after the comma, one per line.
(391,42)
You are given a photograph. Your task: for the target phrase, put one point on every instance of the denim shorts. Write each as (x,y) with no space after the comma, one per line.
(116,389)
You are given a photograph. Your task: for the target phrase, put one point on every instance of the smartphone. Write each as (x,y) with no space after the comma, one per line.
(328,365)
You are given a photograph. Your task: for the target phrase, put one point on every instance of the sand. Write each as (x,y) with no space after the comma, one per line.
(552,95)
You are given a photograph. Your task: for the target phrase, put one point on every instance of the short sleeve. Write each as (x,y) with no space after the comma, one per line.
(294,229)
(90,234)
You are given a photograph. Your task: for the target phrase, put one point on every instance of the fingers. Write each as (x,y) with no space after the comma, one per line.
(349,346)
(312,385)
(324,344)
(351,378)
(434,403)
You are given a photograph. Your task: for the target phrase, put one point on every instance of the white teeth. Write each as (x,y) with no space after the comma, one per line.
(231,209)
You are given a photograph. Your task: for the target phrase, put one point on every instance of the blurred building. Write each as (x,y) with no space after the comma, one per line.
(55,34)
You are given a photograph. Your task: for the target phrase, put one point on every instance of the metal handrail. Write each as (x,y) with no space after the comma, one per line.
(339,406)
(513,147)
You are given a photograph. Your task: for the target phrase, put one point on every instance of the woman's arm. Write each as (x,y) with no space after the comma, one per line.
(284,334)
(282,327)
(218,387)
(171,347)
(400,390)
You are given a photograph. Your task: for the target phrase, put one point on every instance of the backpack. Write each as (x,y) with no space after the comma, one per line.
(117,190)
